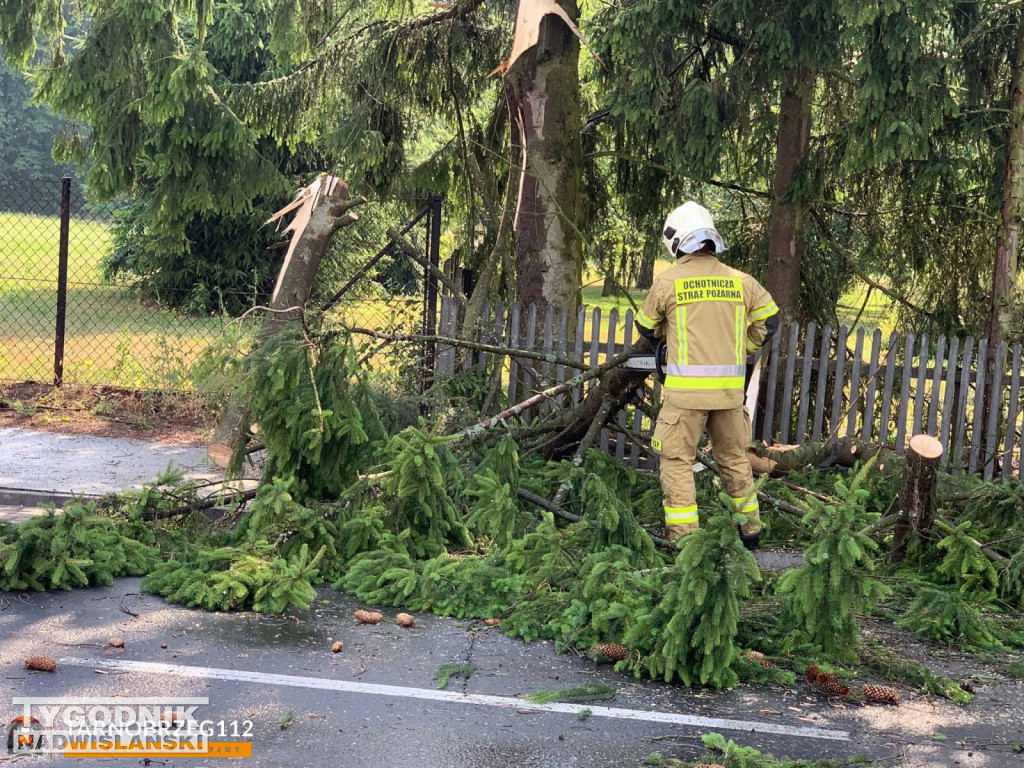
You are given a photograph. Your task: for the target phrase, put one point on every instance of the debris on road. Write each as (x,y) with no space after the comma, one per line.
(41,663)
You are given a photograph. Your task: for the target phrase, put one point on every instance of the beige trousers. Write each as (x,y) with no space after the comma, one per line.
(675,439)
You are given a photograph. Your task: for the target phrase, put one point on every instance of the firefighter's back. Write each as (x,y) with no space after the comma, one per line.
(705,330)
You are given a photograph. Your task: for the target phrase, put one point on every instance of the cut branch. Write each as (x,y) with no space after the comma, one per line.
(557,511)
(540,397)
(202,504)
(619,384)
(577,460)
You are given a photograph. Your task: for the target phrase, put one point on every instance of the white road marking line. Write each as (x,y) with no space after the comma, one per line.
(451,697)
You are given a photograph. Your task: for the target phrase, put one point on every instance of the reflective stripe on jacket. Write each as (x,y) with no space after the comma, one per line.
(711,317)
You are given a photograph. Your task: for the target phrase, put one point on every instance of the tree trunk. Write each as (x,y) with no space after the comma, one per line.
(645,276)
(608,289)
(324,211)
(779,460)
(321,209)
(1004,272)
(917,494)
(546,88)
(786,226)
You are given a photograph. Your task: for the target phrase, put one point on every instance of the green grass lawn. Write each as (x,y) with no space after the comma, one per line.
(110,337)
(28,248)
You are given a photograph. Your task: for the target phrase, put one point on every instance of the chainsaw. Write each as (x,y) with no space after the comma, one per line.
(648,361)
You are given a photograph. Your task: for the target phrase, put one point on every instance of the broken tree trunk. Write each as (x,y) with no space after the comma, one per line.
(543,72)
(618,386)
(917,494)
(321,209)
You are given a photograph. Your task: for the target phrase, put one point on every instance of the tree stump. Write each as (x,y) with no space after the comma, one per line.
(917,493)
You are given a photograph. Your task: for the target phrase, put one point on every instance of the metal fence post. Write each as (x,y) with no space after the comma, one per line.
(62,281)
(434,203)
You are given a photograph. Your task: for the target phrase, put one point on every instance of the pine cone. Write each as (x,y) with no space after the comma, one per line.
(405,620)
(812,673)
(337,646)
(882,693)
(612,651)
(115,642)
(41,663)
(492,622)
(368,617)
(830,685)
(756,657)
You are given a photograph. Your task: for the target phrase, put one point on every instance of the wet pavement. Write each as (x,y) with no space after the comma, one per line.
(259,669)
(39,468)
(376,703)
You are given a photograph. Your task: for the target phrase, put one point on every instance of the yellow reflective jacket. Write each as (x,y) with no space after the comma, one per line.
(711,317)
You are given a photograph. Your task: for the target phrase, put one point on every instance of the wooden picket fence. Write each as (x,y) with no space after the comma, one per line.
(816,384)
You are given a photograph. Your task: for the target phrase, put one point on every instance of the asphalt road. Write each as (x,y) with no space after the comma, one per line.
(377,704)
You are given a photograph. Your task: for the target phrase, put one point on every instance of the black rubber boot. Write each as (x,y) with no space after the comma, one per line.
(751,542)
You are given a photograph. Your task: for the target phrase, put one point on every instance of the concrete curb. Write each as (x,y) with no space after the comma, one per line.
(27,497)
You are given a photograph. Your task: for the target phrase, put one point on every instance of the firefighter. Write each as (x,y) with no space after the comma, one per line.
(703,320)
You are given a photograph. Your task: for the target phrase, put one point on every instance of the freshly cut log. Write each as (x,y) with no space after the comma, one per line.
(779,460)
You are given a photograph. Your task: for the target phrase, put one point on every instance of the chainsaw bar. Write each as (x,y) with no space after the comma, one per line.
(640,362)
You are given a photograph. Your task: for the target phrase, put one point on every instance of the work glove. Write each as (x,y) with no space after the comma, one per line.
(660,358)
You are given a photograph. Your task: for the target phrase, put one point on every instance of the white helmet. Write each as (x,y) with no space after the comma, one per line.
(687,227)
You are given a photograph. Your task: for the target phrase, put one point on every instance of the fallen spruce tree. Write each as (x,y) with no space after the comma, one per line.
(458,516)
(488,517)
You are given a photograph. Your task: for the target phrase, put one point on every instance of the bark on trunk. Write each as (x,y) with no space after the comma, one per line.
(1004,272)
(779,460)
(786,226)
(325,212)
(546,88)
(321,209)
(608,289)
(645,277)
(917,494)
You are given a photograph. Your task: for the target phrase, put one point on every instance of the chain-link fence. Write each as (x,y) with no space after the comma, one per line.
(371,283)
(121,312)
